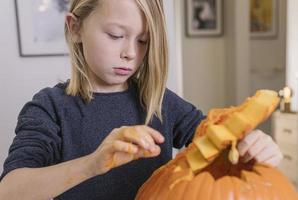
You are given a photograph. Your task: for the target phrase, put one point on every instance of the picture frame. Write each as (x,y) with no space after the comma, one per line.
(40,27)
(204,18)
(263,19)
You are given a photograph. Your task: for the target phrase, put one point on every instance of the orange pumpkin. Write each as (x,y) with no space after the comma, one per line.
(208,169)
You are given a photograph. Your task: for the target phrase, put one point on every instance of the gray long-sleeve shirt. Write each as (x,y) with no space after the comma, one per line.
(55,127)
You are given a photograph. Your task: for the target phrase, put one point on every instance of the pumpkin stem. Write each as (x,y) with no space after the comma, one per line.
(234,154)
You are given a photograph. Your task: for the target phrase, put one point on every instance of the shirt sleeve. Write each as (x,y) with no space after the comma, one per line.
(37,142)
(186,118)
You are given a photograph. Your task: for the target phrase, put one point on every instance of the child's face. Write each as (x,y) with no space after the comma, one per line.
(115,41)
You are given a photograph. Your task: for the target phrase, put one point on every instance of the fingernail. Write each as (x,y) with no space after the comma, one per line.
(240,148)
(162,139)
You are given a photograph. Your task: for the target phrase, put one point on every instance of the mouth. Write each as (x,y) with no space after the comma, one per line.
(122,71)
(123,68)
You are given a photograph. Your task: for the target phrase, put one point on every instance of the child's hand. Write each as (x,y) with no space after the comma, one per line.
(260,146)
(124,145)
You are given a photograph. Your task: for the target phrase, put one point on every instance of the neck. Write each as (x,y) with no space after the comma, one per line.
(100,86)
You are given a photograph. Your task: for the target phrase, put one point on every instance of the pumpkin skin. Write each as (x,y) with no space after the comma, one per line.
(204,171)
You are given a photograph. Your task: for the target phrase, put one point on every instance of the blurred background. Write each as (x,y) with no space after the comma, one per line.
(221,51)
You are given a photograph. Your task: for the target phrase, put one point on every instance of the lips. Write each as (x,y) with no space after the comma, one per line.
(122,71)
(123,68)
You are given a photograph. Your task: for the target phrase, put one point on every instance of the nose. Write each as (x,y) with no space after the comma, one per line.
(129,51)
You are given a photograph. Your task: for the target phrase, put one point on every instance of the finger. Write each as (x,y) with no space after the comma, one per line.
(156,135)
(140,136)
(129,134)
(121,146)
(248,141)
(263,142)
(144,133)
(267,153)
(147,154)
(156,151)
(275,160)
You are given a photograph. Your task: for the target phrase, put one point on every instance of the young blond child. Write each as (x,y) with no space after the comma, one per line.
(101,134)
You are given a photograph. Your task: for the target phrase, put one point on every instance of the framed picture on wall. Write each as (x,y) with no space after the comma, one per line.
(204,18)
(40,26)
(263,19)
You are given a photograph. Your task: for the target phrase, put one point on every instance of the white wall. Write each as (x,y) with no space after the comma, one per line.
(203,68)
(20,78)
(175,69)
(292,50)
(215,69)
(237,51)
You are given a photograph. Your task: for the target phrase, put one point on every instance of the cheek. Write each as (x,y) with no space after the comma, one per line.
(141,56)
(99,49)
(103,46)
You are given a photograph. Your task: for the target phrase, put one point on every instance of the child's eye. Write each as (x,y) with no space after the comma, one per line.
(115,37)
(143,42)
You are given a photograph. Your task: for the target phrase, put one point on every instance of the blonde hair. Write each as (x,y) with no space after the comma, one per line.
(152,74)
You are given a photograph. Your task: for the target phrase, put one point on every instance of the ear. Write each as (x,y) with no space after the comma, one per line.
(73,26)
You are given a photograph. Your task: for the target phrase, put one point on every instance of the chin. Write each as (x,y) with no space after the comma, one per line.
(117,82)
